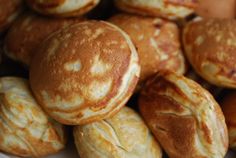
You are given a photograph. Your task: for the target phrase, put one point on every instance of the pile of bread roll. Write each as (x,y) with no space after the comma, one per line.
(133,78)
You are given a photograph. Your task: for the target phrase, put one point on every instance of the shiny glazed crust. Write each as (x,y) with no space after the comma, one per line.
(25,130)
(28,32)
(214,90)
(63,8)
(157,43)
(184,117)
(171,9)
(85,72)
(210,46)
(124,135)
(228,106)
(9,10)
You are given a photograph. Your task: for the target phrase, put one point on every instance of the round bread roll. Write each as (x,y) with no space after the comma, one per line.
(9,10)
(210,47)
(63,8)
(216,9)
(124,135)
(228,105)
(157,43)
(171,9)
(184,117)
(85,72)
(28,32)
(25,130)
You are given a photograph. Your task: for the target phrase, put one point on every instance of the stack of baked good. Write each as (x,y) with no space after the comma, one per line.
(82,72)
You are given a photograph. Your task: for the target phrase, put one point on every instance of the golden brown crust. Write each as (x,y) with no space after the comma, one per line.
(63,8)
(25,130)
(80,11)
(228,105)
(210,47)
(9,9)
(28,32)
(45,3)
(124,135)
(214,90)
(171,9)
(85,72)
(187,3)
(157,43)
(184,117)
(211,9)
(179,9)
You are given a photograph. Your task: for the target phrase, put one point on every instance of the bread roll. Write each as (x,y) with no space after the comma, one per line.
(25,130)
(214,90)
(228,105)
(85,72)
(210,48)
(63,8)
(171,9)
(124,135)
(9,10)
(176,9)
(184,117)
(157,43)
(28,32)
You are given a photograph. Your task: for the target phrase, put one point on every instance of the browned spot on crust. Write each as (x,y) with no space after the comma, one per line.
(206,131)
